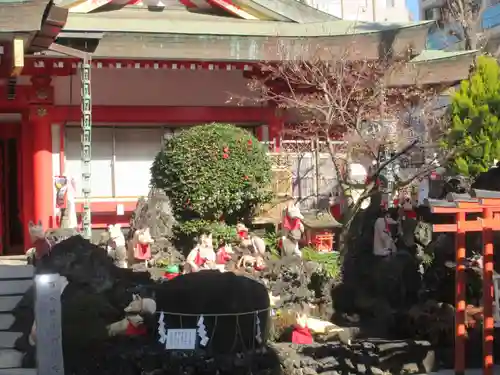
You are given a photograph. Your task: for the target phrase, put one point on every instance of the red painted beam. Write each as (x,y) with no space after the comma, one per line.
(104,212)
(478,225)
(108,207)
(454,210)
(495,202)
(133,115)
(65,66)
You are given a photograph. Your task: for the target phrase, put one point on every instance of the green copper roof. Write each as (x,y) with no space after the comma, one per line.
(183,22)
(135,33)
(290,10)
(433,55)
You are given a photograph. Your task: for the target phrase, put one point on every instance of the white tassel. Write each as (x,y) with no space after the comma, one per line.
(258,335)
(161,329)
(202,332)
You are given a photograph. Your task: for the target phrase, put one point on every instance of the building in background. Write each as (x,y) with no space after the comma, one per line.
(364,10)
(353,10)
(441,35)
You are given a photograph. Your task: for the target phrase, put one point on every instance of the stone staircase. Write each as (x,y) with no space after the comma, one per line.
(13,260)
(15,280)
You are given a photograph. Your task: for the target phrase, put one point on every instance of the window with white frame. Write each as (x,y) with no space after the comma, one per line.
(121,158)
(135,151)
(102,160)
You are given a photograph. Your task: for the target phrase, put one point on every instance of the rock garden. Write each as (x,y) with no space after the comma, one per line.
(260,301)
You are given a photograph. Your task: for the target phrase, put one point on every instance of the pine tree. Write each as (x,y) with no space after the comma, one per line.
(475,124)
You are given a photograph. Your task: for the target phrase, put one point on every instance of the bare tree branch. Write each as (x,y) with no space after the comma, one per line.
(354,104)
(464,18)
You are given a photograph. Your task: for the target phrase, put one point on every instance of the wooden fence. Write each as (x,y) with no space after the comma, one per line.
(312,173)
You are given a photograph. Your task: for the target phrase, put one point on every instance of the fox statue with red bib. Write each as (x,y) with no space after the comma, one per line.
(203,256)
(292,228)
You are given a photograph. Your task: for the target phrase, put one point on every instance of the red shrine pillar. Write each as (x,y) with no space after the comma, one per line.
(41,136)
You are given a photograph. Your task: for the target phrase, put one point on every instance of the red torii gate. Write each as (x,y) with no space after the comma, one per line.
(486,203)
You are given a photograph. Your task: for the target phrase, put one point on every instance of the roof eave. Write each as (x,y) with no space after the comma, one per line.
(54,19)
(395,41)
(434,71)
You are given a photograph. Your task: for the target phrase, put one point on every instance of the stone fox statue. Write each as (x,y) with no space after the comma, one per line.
(250,242)
(41,245)
(293,229)
(140,246)
(202,256)
(117,248)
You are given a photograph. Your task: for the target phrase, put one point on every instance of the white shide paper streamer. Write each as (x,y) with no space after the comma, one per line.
(258,335)
(202,332)
(162,332)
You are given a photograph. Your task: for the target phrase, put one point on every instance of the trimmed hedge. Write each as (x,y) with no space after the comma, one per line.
(215,172)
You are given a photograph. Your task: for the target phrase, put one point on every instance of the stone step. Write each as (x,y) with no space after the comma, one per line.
(6,321)
(8,303)
(13,287)
(11,261)
(8,339)
(10,358)
(18,371)
(11,271)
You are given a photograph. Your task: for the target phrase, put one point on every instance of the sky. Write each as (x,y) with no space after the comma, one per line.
(413,7)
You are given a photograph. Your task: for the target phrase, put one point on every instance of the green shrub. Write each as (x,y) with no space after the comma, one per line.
(213,173)
(475,113)
(221,232)
(272,240)
(328,262)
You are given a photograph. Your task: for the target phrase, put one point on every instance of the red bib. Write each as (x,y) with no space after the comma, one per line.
(301,335)
(135,331)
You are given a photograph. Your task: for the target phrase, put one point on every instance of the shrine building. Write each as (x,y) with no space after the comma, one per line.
(155,70)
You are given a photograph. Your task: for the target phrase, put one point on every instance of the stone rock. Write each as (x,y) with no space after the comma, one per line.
(10,358)
(234,307)
(372,356)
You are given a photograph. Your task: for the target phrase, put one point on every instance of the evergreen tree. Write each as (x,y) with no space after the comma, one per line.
(475,124)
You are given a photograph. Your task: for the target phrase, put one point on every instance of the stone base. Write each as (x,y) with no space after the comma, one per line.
(361,357)
(10,358)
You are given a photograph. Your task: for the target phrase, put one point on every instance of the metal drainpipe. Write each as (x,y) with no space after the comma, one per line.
(86,123)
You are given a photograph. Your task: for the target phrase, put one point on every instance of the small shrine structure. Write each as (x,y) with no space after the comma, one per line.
(321,230)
